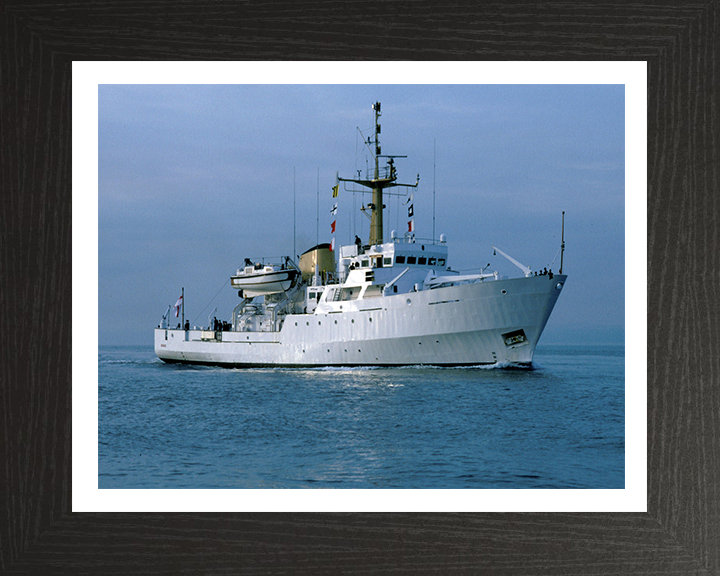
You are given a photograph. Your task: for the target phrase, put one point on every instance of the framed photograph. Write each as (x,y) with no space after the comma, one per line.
(663,519)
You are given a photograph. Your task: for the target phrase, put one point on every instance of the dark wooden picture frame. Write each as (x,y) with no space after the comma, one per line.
(681,530)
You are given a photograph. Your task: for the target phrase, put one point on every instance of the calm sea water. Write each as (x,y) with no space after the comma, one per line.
(560,425)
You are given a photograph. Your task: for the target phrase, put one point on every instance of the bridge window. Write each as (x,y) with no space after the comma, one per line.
(441,261)
(422,260)
(399,259)
(411,260)
(432,261)
(364,263)
(387,261)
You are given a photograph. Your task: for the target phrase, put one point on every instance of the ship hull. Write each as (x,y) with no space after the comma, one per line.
(496,322)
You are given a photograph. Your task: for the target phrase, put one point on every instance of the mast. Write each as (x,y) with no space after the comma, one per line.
(317,210)
(378,184)
(376,216)
(433,236)
(562,242)
(294,254)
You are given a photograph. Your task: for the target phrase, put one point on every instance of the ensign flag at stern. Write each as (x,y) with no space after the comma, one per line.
(177,306)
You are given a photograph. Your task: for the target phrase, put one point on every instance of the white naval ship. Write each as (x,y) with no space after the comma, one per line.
(390,302)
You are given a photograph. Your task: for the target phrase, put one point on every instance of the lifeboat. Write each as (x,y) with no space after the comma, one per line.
(263,279)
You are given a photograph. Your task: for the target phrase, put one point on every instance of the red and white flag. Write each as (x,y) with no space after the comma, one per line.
(332,226)
(411,225)
(177,306)
(332,245)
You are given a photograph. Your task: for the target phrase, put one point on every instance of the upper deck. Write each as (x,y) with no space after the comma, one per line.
(416,253)
(414,258)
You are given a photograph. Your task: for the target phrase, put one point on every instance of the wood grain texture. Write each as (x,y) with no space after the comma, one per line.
(681,531)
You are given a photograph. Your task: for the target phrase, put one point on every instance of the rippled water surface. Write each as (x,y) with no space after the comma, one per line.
(560,425)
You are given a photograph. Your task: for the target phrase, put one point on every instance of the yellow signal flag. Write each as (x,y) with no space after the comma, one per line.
(335,190)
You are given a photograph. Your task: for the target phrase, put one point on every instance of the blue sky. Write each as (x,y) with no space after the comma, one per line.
(192,179)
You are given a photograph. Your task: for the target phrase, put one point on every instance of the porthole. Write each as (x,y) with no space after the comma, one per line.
(504,291)
(559,286)
(408,302)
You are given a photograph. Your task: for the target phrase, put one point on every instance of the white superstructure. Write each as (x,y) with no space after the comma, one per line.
(389,303)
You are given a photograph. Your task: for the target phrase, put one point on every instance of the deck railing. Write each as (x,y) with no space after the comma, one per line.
(410,239)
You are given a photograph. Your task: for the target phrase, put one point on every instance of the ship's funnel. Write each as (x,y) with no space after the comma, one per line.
(320,255)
